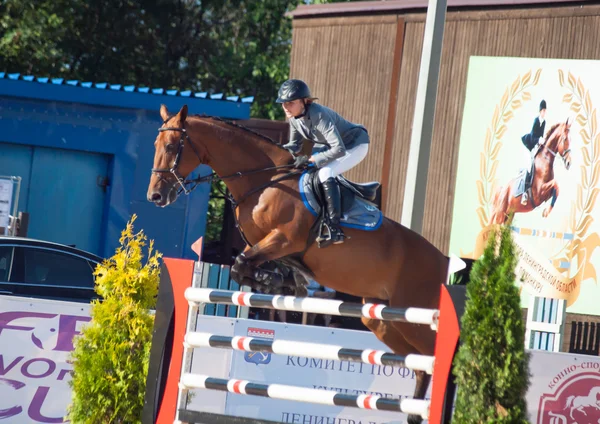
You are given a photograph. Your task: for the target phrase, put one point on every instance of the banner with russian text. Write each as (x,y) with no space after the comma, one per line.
(530,144)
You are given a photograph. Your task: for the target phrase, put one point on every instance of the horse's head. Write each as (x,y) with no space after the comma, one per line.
(175,157)
(561,142)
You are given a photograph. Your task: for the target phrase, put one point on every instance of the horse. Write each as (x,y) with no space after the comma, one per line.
(591,402)
(543,185)
(391,264)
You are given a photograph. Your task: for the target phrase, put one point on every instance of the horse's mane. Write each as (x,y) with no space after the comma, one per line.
(236,125)
(551,130)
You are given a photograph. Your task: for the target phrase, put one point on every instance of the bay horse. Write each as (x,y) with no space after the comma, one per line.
(543,184)
(392,264)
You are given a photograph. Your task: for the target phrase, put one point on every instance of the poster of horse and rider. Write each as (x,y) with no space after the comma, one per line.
(530,144)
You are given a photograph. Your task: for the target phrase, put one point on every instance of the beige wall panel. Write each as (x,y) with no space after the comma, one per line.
(349,67)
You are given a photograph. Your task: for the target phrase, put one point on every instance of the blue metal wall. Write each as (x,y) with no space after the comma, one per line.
(60,137)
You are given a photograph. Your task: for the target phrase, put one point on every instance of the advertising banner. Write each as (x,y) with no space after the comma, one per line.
(36,337)
(530,143)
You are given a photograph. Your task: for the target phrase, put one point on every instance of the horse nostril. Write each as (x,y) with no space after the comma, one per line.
(156,197)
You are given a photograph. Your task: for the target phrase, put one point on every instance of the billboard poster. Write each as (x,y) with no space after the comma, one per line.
(36,339)
(530,143)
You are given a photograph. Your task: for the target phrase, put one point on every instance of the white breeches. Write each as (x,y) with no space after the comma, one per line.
(527,159)
(343,164)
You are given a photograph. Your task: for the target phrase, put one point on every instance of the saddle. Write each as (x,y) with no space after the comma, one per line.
(367,191)
(357,207)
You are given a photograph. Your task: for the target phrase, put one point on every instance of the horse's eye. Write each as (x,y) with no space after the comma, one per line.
(171,148)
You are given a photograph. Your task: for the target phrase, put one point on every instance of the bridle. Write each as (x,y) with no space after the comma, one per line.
(212,176)
(563,155)
(173,170)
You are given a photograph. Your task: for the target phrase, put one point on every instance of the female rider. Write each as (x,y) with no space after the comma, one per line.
(339,144)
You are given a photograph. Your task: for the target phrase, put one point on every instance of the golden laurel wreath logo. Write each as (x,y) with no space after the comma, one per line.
(583,244)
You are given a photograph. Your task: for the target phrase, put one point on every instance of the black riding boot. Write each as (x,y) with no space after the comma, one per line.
(334,206)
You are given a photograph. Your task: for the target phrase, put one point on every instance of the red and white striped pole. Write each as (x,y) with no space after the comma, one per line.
(312,305)
(310,350)
(304,394)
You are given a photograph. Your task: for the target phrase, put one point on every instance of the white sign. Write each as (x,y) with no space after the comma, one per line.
(341,376)
(564,389)
(36,338)
(6,195)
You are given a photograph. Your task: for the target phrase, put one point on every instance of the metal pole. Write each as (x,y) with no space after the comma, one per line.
(420,143)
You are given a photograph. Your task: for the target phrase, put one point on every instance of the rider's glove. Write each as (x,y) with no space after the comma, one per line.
(301,161)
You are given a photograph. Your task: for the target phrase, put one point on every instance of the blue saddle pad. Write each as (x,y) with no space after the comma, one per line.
(358,213)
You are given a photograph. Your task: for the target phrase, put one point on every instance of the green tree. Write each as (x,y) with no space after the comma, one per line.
(232,46)
(239,47)
(491,366)
(110,359)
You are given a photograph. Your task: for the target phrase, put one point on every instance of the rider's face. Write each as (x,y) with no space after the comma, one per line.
(543,113)
(293,108)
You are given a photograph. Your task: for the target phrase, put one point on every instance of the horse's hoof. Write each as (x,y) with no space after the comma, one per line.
(414,419)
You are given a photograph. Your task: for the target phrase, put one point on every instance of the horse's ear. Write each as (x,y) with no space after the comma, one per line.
(567,123)
(164,113)
(183,113)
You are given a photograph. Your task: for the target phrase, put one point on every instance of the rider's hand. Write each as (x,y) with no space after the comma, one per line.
(301,161)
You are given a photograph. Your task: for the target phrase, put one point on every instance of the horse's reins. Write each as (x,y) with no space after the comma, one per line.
(561,141)
(212,176)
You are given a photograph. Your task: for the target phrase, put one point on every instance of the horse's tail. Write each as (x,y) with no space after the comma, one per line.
(496,195)
(496,207)
(569,401)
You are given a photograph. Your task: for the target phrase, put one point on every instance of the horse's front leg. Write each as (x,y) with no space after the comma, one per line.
(246,268)
(554,192)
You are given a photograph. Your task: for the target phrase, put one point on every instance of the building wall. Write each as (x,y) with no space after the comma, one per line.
(337,53)
(348,64)
(74,122)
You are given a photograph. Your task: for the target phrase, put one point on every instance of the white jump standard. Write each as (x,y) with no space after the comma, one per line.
(175,340)
(310,350)
(312,305)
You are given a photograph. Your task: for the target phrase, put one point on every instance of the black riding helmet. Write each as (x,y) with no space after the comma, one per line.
(293,89)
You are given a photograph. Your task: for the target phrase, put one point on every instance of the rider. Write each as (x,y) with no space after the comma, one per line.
(532,140)
(342,144)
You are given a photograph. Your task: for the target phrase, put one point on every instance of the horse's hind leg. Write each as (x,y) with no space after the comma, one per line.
(246,267)
(391,337)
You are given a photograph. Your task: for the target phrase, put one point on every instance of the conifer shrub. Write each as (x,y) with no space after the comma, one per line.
(492,366)
(111,355)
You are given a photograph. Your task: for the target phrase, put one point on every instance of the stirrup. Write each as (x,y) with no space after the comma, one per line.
(324,239)
(340,234)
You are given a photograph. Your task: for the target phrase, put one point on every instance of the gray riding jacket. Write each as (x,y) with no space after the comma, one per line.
(324,126)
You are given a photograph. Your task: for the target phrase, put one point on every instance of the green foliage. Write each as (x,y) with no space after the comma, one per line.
(491,366)
(216,211)
(110,359)
(234,46)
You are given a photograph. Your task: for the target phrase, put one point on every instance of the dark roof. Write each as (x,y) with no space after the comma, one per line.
(391,6)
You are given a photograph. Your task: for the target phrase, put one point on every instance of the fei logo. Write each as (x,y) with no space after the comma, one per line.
(575,401)
(259,357)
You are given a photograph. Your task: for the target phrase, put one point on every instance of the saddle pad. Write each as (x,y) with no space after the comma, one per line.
(519,184)
(361,214)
